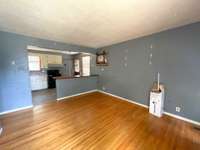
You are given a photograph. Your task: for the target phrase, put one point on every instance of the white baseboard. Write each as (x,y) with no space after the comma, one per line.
(182,118)
(145,106)
(62,98)
(124,99)
(14,110)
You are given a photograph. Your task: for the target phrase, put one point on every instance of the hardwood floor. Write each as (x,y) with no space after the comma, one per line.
(95,121)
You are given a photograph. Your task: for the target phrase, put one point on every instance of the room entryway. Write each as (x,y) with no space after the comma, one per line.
(43,96)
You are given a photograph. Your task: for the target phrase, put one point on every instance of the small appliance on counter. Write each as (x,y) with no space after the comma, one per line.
(50,75)
(157,99)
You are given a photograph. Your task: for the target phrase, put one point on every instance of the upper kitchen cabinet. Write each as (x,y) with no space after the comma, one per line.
(55,59)
(44,60)
(48,59)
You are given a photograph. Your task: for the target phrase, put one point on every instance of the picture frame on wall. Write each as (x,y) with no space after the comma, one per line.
(101,58)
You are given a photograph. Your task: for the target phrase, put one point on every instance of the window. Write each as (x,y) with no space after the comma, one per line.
(34,63)
(86,65)
(77,66)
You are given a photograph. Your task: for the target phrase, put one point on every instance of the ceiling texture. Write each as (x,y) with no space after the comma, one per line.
(95,23)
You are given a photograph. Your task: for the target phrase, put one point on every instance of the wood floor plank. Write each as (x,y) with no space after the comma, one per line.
(95,121)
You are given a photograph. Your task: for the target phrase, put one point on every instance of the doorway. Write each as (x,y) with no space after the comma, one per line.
(42,96)
(47,64)
(43,87)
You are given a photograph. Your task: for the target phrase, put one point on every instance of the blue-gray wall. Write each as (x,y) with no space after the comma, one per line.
(175,54)
(14,79)
(68,87)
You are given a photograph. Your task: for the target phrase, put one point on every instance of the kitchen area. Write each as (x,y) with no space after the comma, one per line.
(48,68)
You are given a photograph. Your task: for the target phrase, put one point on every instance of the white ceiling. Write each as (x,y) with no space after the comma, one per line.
(95,23)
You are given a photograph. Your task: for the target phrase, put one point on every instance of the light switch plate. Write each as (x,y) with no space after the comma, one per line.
(178,109)
(13,62)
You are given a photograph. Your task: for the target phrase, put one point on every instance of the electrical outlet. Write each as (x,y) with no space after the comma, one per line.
(103,88)
(178,109)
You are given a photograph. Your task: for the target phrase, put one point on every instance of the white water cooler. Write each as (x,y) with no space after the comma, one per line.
(157,100)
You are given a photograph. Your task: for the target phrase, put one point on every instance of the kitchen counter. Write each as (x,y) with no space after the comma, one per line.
(68,86)
(73,77)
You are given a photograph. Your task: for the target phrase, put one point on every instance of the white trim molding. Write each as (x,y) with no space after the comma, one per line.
(78,94)
(14,110)
(130,101)
(145,106)
(182,118)
(36,48)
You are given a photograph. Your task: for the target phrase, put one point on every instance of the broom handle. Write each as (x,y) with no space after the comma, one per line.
(158,81)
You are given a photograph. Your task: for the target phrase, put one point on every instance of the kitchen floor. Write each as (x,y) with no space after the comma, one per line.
(43,96)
